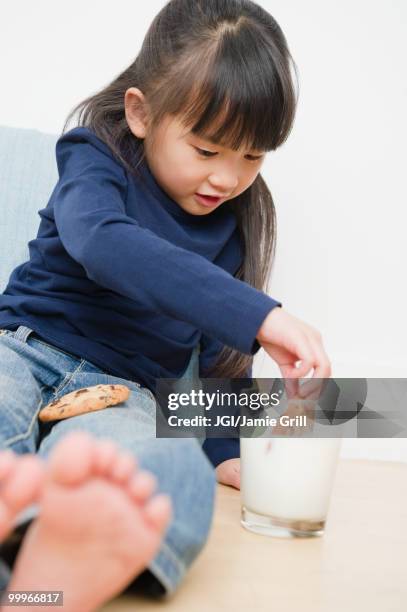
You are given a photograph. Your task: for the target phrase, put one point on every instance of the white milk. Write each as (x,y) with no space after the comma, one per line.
(288,478)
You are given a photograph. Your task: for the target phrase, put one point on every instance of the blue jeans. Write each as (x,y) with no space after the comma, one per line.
(34,373)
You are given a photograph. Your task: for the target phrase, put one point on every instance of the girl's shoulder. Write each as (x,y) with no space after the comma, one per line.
(80,148)
(83,135)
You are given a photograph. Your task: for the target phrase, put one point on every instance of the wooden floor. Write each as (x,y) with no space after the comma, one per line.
(359,565)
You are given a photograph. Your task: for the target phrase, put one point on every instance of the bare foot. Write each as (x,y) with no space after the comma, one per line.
(98,526)
(21,480)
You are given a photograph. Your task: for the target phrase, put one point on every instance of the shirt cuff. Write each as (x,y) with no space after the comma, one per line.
(256,346)
(221,449)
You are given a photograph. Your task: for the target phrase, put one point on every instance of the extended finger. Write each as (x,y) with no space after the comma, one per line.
(322,363)
(306,356)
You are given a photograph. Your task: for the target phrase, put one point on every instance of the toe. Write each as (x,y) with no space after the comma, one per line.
(106,453)
(8,461)
(123,467)
(25,485)
(73,458)
(142,486)
(158,511)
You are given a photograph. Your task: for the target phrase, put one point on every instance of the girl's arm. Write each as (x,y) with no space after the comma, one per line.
(116,252)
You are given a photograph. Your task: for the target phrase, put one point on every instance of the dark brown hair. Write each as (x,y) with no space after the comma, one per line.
(211,62)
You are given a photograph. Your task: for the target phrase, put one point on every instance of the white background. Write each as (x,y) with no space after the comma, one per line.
(338,183)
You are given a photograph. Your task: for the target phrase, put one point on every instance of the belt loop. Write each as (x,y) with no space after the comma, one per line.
(22,333)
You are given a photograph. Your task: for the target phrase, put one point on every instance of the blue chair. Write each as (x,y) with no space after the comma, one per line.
(28,174)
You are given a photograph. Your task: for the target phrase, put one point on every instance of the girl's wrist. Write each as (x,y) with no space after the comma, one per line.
(262,335)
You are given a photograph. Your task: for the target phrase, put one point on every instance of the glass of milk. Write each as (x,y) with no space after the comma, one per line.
(286,484)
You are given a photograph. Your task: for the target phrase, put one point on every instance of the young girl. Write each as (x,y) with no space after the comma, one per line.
(152,254)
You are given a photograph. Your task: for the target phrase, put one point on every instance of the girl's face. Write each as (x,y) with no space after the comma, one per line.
(185,165)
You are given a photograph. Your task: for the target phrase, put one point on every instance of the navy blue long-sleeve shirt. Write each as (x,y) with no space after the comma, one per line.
(120,275)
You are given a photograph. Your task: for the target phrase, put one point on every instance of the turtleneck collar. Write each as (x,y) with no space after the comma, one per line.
(171,206)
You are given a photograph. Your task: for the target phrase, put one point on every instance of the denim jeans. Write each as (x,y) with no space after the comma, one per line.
(34,373)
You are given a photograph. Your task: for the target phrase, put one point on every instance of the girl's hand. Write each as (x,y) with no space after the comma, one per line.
(228,473)
(288,340)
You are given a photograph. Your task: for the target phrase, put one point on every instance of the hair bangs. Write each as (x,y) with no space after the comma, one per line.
(236,105)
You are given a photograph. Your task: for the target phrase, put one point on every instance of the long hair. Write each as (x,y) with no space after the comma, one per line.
(211,62)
